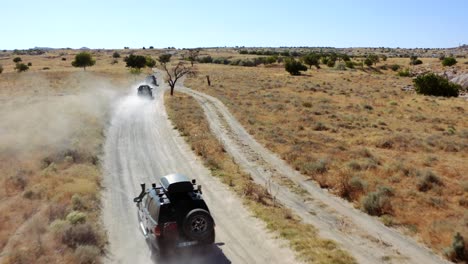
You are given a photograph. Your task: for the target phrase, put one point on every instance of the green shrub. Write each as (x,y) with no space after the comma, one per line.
(86,254)
(368,62)
(458,246)
(150,62)
(331,63)
(294,67)
(76,217)
(17,59)
(349,64)
(395,67)
(77,202)
(116,55)
(58,227)
(404,73)
(449,61)
(428,181)
(432,84)
(318,167)
(378,203)
(21,67)
(29,64)
(207,59)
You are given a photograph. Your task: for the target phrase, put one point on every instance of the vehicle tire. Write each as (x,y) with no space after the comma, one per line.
(199,225)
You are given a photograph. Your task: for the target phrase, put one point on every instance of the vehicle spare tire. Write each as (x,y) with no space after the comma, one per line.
(199,225)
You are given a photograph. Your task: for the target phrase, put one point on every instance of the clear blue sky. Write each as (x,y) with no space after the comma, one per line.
(208,23)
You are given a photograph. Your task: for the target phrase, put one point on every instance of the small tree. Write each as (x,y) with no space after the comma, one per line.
(193,55)
(449,61)
(21,67)
(432,84)
(83,59)
(164,58)
(135,61)
(173,74)
(17,59)
(312,59)
(116,55)
(294,67)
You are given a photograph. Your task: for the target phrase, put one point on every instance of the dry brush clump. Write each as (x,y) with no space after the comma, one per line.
(366,128)
(188,117)
(53,130)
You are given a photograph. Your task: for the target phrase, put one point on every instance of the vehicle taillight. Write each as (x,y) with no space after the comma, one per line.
(157,230)
(170,226)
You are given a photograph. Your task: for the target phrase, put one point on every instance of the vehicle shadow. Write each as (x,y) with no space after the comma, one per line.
(211,254)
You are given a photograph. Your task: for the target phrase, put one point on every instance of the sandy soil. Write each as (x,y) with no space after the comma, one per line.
(142,146)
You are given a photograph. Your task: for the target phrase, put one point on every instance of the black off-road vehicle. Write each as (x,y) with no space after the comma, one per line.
(145,90)
(174,215)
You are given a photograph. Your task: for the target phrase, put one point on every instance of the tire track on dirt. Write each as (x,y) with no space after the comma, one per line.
(141,146)
(368,240)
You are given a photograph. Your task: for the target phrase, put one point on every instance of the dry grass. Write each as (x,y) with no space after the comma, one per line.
(52,130)
(189,118)
(336,126)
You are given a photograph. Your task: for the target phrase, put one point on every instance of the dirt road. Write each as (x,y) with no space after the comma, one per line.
(141,146)
(368,240)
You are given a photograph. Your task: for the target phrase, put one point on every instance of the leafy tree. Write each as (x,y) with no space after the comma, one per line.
(164,58)
(432,84)
(17,59)
(21,67)
(294,67)
(173,74)
(135,61)
(449,61)
(311,59)
(150,62)
(151,47)
(83,59)
(116,55)
(193,55)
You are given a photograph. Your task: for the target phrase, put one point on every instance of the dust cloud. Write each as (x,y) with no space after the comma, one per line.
(57,114)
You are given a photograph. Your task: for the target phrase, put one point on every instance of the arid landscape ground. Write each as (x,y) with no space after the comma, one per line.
(359,134)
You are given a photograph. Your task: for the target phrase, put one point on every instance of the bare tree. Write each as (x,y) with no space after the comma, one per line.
(176,72)
(193,55)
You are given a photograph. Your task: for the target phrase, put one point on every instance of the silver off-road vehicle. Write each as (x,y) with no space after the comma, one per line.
(174,215)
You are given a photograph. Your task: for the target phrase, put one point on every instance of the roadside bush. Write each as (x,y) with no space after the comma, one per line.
(432,84)
(82,234)
(449,61)
(404,73)
(416,62)
(294,67)
(17,59)
(29,64)
(378,203)
(207,59)
(150,62)
(428,181)
(87,254)
(21,67)
(76,217)
(395,67)
(116,55)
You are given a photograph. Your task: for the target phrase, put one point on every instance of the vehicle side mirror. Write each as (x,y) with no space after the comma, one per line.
(137,199)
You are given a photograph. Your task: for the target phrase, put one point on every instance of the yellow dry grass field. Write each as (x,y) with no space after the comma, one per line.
(358,134)
(189,119)
(51,132)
